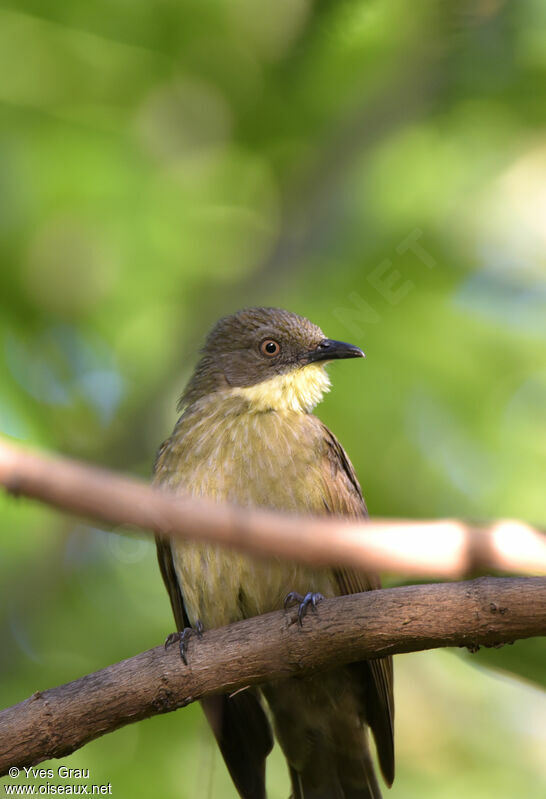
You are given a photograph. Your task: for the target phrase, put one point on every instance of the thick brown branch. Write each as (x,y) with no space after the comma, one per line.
(486,611)
(445,548)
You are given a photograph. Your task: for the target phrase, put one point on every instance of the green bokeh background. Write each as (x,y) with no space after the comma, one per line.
(377,166)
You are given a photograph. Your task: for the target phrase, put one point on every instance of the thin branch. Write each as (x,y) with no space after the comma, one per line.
(487,611)
(444,548)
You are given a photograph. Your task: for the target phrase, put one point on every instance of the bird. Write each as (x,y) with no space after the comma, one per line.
(246,435)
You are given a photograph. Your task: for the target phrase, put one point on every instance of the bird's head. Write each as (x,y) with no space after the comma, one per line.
(273,358)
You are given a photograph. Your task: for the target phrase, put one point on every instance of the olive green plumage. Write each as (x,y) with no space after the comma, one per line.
(247,436)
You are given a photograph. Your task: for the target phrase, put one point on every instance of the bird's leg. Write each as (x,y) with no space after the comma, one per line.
(183,637)
(311,599)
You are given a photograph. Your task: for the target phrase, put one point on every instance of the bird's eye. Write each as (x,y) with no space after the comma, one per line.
(270,348)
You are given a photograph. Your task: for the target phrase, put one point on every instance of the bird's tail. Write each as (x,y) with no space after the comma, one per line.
(343,780)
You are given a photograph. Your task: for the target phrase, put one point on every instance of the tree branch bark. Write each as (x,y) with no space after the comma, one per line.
(487,611)
(443,548)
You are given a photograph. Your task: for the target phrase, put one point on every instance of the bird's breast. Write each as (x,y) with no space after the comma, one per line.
(270,460)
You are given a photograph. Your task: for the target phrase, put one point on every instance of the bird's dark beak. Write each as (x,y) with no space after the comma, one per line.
(330,350)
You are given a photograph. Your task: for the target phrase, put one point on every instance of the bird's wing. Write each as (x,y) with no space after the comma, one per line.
(166,565)
(342,496)
(238,722)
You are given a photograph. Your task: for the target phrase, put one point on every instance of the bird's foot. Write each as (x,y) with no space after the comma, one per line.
(311,599)
(183,637)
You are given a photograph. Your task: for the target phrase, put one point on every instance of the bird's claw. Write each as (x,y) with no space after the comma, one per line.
(292,598)
(183,637)
(311,599)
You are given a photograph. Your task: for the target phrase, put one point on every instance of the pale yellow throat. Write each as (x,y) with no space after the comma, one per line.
(299,390)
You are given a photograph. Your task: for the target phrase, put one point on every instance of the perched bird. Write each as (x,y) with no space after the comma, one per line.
(246,435)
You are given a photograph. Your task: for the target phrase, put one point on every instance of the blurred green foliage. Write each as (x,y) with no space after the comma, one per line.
(377,166)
